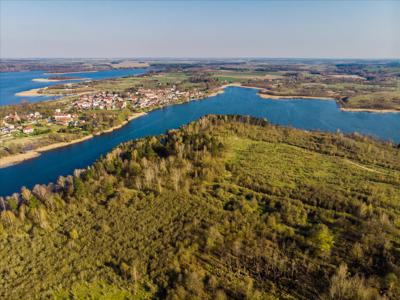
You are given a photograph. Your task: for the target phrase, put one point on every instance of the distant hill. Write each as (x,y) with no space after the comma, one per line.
(68,65)
(224,208)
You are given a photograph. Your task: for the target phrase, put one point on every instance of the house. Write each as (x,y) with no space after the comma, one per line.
(34,116)
(28,129)
(62,119)
(120,105)
(13,117)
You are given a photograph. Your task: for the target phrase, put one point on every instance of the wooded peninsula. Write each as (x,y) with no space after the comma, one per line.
(227,207)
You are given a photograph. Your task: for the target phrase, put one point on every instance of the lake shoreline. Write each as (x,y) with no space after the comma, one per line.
(290,97)
(310,116)
(371,110)
(56,80)
(31,93)
(35,93)
(45,80)
(21,157)
(263,93)
(275,97)
(18,158)
(64,73)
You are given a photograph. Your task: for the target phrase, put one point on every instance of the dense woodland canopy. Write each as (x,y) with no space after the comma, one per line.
(224,208)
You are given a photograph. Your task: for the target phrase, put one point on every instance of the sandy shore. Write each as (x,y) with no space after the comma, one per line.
(215,93)
(30,93)
(57,80)
(267,96)
(370,110)
(18,158)
(45,80)
(70,72)
(221,89)
(137,115)
(35,93)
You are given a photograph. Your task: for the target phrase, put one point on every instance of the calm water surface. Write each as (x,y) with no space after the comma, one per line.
(305,114)
(15,82)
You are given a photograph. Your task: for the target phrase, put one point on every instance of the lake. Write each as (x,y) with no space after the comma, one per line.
(305,114)
(15,82)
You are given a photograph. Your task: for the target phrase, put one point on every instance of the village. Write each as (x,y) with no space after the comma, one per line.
(73,113)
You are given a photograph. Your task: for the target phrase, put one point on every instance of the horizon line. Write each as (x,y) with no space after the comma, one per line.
(204,57)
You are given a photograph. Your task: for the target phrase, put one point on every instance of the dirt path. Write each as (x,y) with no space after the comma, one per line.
(363,167)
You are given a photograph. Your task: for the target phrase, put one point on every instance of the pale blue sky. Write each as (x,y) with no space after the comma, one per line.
(327,29)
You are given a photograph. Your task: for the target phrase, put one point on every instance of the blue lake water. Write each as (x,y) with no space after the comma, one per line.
(305,114)
(15,82)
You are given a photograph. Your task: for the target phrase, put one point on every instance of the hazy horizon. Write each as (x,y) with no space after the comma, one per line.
(200,58)
(200,30)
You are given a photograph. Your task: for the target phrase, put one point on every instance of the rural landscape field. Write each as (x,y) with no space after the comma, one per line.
(200,150)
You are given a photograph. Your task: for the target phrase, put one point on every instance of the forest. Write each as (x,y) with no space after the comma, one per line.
(227,207)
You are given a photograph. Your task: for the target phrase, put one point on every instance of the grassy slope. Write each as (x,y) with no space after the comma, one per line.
(242,228)
(377,100)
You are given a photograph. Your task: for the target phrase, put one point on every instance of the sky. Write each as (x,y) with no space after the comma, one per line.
(280,29)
